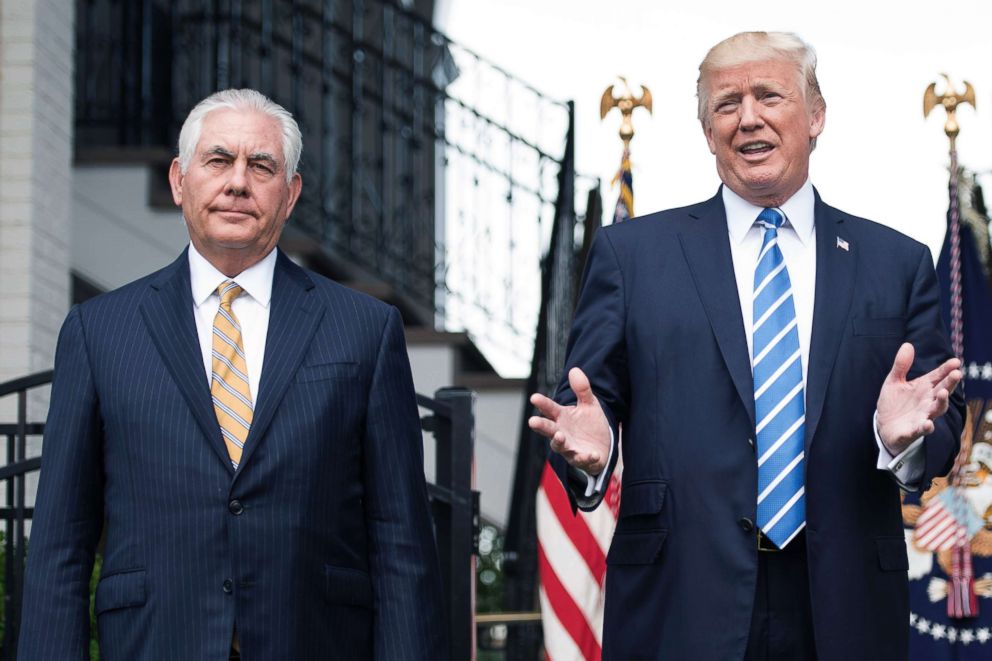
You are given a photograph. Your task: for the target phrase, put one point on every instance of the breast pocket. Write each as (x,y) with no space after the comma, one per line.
(325,371)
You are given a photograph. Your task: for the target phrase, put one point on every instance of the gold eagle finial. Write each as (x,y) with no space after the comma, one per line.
(626,102)
(950,100)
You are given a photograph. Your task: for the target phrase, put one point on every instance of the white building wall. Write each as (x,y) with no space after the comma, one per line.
(36,96)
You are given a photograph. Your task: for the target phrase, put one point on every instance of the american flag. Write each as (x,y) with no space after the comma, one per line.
(572,561)
(572,548)
(947,521)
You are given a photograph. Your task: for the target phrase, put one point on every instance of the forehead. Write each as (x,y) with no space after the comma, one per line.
(781,74)
(241,131)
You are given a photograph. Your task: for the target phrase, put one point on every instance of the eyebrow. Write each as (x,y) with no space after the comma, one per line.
(757,87)
(264,156)
(255,157)
(217,150)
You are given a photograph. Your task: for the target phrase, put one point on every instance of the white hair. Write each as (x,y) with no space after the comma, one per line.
(746,47)
(242,100)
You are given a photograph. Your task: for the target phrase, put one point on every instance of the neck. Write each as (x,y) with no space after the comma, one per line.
(233,262)
(772,199)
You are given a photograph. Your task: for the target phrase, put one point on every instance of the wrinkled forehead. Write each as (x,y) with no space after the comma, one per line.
(240,132)
(780,74)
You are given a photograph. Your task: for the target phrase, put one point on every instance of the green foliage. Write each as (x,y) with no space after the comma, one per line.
(489,571)
(489,587)
(94,579)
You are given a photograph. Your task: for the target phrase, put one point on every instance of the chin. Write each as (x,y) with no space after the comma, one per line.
(234,236)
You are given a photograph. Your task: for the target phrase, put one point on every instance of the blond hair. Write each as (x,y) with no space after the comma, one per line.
(746,47)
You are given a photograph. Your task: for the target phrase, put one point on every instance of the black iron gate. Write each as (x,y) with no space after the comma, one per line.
(426,167)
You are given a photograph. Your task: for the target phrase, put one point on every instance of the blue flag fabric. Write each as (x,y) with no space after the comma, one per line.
(934,636)
(625,201)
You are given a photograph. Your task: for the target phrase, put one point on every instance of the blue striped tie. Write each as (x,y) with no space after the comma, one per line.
(779,404)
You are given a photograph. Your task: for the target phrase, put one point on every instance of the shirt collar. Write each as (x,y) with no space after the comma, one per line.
(798,210)
(256,280)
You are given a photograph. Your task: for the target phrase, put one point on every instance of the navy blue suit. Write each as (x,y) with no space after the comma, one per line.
(659,332)
(319,546)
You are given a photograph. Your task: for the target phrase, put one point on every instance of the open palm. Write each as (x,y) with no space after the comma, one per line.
(580,433)
(907,409)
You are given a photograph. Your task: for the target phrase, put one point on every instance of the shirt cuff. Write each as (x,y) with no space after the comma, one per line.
(594,483)
(907,467)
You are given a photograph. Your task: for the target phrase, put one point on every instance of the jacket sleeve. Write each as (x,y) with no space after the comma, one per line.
(68,514)
(925,331)
(598,347)
(409,620)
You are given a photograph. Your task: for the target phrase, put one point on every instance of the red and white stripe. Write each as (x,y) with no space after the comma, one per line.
(937,529)
(572,563)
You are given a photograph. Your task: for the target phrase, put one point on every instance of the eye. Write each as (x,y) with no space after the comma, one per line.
(726,106)
(263,167)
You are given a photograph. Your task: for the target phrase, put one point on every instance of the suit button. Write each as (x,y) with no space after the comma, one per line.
(235,507)
(747,525)
(228,586)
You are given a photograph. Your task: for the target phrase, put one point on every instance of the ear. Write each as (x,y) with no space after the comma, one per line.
(817,120)
(176,182)
(708,132)
(295,186)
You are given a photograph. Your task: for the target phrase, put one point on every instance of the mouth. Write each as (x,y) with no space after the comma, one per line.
(755,149)
(233,214)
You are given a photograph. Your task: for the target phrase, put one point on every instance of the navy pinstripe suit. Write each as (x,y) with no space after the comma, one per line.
(320,546)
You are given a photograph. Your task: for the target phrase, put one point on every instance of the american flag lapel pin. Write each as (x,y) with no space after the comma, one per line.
(843,245)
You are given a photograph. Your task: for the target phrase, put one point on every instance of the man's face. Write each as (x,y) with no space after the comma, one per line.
(759,125)
(234,195)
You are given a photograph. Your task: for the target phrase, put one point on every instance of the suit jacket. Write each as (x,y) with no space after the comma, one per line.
(319,546)
(659,332)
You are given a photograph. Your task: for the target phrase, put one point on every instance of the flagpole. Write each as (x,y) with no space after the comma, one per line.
(950,100)
(961,598)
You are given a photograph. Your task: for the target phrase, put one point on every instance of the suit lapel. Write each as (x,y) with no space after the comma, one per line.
(293,319)
(706,245)
(836,269)
(168,314)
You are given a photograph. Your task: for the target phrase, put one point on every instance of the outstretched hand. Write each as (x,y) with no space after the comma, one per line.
(580,433)
(907,409)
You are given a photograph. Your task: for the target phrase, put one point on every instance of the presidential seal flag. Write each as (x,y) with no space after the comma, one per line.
(949,528)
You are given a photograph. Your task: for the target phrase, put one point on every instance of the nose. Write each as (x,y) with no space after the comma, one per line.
(750,114)
(237,183)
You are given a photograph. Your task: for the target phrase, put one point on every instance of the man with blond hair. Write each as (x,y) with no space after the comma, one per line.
(243,434)
(779,370)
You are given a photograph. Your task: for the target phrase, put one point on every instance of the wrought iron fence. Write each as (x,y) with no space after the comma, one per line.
(424,164)
(450,418)
(16,513)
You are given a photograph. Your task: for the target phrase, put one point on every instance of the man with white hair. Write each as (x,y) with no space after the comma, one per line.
(779,370)
(243,435)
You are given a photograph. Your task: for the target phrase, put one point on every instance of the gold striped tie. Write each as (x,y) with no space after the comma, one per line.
(229,381)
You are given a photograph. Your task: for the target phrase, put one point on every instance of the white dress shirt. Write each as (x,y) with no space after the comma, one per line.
(251,309)
(797,241)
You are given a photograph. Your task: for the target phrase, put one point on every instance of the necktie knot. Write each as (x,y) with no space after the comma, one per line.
(228,291)
(771,218)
